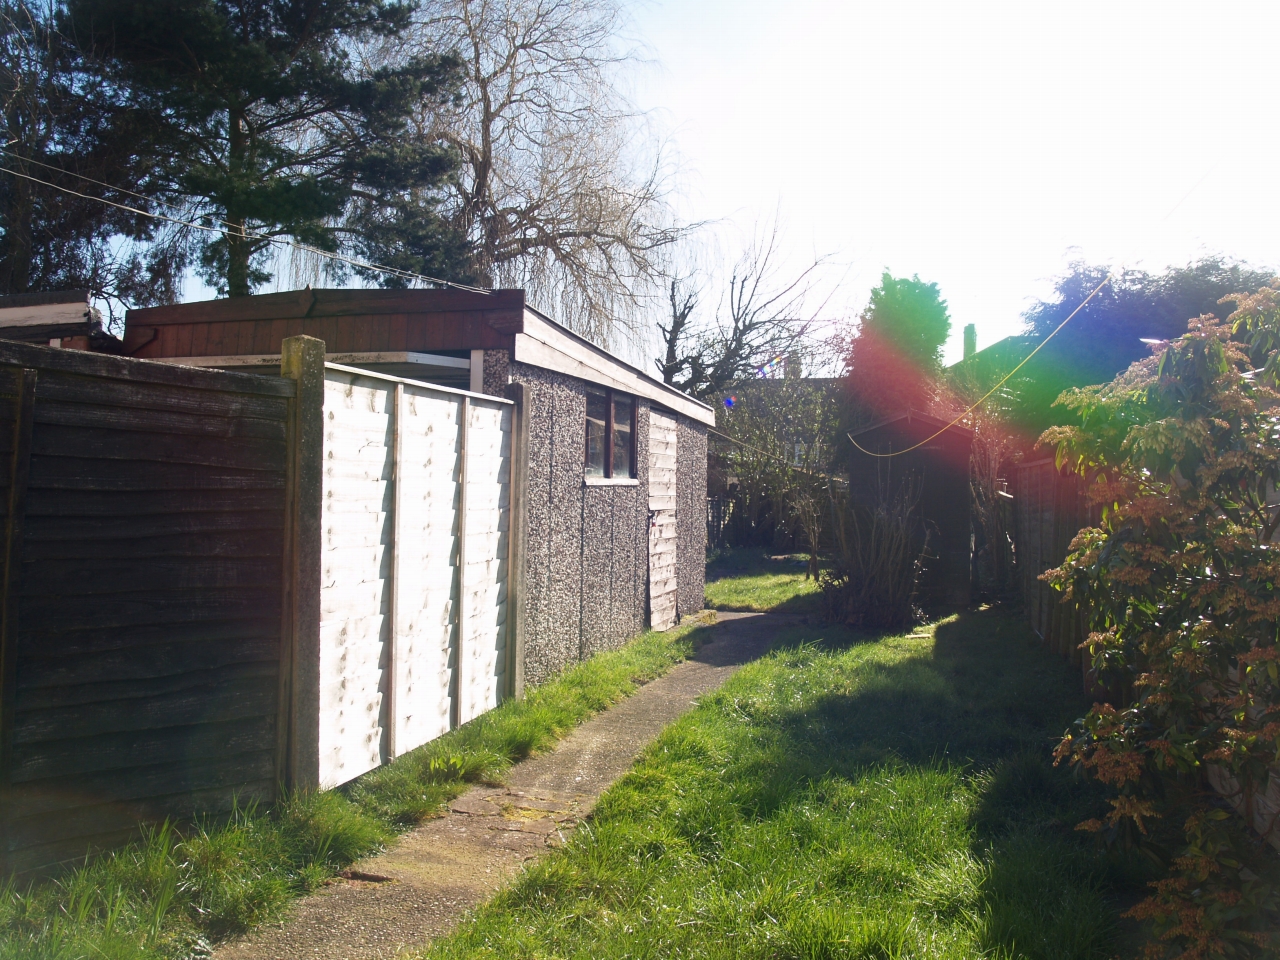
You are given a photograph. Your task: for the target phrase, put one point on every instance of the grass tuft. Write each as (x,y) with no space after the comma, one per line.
(176,891)
(749,580)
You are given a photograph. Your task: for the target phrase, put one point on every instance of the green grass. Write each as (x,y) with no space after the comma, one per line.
(751,580)
(173,893)
(842,798)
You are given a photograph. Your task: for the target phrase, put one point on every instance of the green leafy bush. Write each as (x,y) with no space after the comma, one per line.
(1181,588)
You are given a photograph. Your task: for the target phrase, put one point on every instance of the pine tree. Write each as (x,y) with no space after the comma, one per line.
(59,125)
(272,127)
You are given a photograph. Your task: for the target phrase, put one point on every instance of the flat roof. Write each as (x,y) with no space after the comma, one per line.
(391,321)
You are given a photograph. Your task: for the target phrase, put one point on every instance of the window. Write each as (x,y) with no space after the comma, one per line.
(611,434)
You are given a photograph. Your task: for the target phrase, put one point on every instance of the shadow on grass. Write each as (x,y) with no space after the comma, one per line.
(987,702)
(753,560)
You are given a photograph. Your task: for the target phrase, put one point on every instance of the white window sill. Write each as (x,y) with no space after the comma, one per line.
(610,482)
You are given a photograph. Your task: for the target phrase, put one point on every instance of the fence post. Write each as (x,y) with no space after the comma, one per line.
(298,744)
(517,481)
(393,608)
(456,718)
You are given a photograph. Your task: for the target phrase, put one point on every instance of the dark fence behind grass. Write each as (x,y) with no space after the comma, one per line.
(143,509)
(1049,510)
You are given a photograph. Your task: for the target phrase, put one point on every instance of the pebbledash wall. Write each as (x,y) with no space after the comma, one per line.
(691,520)
(587,546)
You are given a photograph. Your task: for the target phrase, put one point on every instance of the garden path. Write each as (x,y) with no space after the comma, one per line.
(423,885)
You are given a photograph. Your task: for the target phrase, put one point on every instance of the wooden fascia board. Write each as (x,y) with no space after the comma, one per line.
(547,345)
(46,314)
(269,306)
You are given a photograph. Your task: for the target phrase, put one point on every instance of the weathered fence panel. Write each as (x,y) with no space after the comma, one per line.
(143,509)
(416,513)
(213,585)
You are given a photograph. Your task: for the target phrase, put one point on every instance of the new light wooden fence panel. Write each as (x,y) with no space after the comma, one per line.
(484,607)
(142,596)
(662,520)
(416,504)
(355,586)
(427,564)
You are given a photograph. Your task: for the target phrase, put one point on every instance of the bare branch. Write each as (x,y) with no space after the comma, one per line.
(763,317)
(563,189)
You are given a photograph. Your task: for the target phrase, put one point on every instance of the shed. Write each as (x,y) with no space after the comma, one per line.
(937,465)
(61,319)
(615,478)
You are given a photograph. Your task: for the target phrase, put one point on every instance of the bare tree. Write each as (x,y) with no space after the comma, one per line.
(557,192)
(764,316)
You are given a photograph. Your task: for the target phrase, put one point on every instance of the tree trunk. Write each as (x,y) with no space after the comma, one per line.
(238,251)
(238,247)
(15,256)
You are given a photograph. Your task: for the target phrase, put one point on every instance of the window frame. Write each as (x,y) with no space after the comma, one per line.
(609,394)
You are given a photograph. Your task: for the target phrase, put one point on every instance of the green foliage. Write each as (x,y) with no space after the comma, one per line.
(837,799)
(1104,338)
(911,316)
(1181,588)
(897,354)
(264,120)
(786,437)
(177,890)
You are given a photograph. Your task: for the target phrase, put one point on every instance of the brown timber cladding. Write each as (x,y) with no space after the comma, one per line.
(144,508)
(348,321)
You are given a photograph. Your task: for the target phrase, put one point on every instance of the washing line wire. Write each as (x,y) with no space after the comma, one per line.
(99,183)
(1003,380)
(280,241)
(772,456)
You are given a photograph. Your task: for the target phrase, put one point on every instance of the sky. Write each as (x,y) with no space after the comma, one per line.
(982,146)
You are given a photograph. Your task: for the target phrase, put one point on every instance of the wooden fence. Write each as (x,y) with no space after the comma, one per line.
(414,566)
(215,585)
(144,506)
(1049,510)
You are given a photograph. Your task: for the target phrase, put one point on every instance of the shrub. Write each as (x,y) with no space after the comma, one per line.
(877,563)
(1181,589)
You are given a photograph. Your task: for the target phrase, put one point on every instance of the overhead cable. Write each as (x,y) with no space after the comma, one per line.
(247,234)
